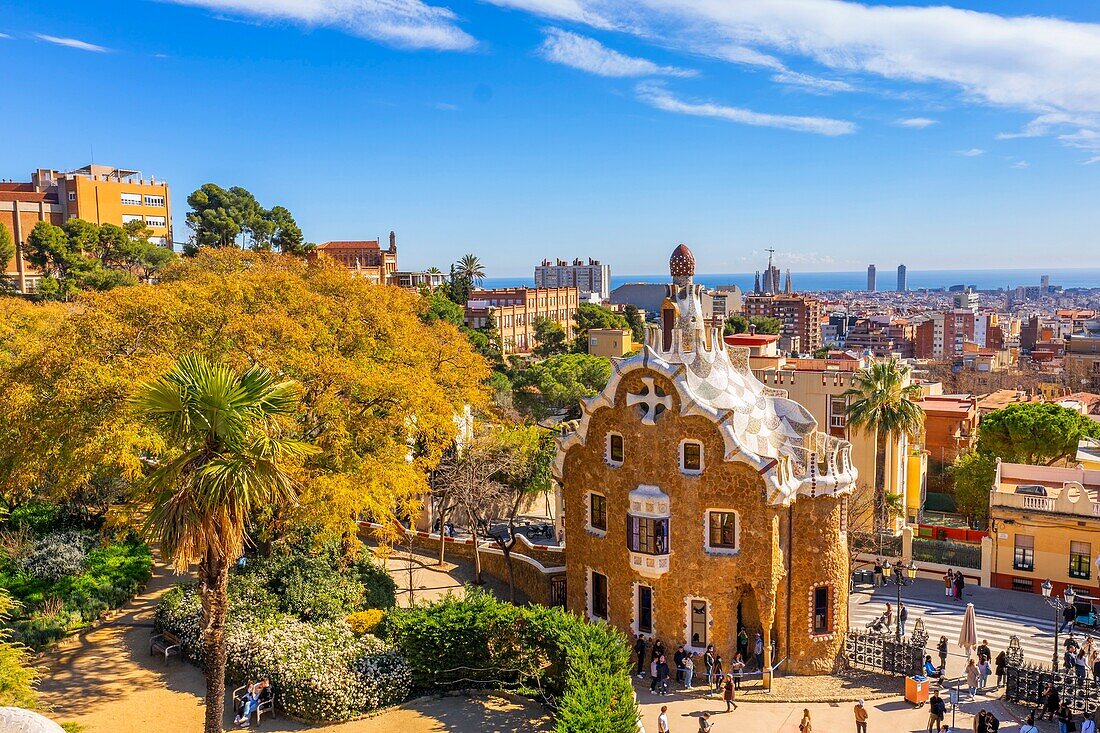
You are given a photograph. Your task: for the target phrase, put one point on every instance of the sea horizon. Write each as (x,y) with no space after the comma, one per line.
(994,279)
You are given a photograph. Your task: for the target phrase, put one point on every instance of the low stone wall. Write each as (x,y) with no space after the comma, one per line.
(534,566)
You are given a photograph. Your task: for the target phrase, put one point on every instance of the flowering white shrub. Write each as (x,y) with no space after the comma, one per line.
(58,555)
(321,672)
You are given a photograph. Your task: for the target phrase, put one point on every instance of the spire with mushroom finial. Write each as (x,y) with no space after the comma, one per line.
(681,265)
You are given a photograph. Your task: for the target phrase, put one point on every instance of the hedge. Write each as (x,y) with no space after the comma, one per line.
(583,669)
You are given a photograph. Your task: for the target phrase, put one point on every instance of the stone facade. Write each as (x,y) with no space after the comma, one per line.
(697,500)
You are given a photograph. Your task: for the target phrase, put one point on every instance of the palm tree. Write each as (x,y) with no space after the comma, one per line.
(881,402)
(470,267)
(435,270)
(228,459)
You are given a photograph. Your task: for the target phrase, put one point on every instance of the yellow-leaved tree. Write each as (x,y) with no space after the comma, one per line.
(380,387)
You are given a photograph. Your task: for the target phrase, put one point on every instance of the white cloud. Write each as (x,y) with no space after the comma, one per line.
(402,23)
(72,43)
(971,153)
(658,96)
(446,106)
(5,35)
(813,84)
(1043,65)
(1090,161)
(1021,164)
(588,54)
(918,123)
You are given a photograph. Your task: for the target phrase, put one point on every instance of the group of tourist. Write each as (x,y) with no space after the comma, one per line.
(1056,709)
(686,668)
(1079,659)
(953,584)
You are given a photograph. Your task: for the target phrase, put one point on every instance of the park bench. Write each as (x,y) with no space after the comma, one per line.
(166,643)
(266,704)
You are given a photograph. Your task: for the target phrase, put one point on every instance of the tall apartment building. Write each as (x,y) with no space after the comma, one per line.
(100,194)
(903,286)
(942,335)
(882,336)
(800,316)
(1082,358)
(870,278)
(365,257)
(588,278)
(515,310)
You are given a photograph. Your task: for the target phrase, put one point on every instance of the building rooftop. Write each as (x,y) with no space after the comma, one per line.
(948,405)
(749,339)
(350,244)
(1003,398)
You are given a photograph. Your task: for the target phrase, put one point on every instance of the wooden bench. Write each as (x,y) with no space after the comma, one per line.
(266,704)
(167,644)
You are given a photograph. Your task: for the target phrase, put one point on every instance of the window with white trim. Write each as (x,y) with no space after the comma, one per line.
(615,449)
(691,456)
(838,412)
(127,218)
(156,221)
(647,535)
(72,195)
(131,199)
(597,596)
(822,610)
(723,530)
(643,608)
(597,511)
(154,201)
(698,621)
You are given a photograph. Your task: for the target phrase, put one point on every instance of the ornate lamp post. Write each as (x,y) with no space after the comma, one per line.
(897,575)
(1059,605)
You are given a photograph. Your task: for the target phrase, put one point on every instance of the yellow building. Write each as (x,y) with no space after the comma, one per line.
(1044,524)
(1088,454)
(610,342)
(105,195)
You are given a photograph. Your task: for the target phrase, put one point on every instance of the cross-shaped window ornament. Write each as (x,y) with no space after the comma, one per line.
(651,400)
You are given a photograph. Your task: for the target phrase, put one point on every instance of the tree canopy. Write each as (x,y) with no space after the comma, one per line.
(379,385)
(1034,432)
(80,255)
(973,474)
(738,323)
(549,338)
(554,386)
(634,319)
(219,216)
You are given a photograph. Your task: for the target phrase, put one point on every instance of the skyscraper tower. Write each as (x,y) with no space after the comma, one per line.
(902,285)
(870,278)
(787,286)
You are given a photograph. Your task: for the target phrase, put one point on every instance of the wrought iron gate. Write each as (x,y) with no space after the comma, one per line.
(1026,683)
(883,653)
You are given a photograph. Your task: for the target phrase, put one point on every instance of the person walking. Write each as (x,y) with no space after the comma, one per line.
(662,676)
(877,573)
(639,649)
(728,693)
(662,720)
(1081,661)
(941,649)
(999,668)
(1029,725)
(983,651)
(861,717)
(983,672)
(936,710)
(758,652)
(805,726)
(708,663)
(888,616)
(705,724)
(717,672)
(971,677)
(653,674)
(1069,616)
(949,582)
(689,669)
(903,617)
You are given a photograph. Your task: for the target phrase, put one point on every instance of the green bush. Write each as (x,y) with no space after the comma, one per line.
(308,587)
(584,667)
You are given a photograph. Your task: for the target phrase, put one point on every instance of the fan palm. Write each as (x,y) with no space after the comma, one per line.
(470,267)
(228,459)
(881,401)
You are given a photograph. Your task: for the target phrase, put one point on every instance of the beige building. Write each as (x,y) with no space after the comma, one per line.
(515,310)
(819,386)
(698,500)
(1045,524)
(364,257)
(610,342)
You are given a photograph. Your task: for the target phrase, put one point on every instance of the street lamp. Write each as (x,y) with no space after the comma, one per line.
(1059,605)
(897,579)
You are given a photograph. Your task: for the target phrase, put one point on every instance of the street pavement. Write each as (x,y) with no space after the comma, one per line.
(1000,614)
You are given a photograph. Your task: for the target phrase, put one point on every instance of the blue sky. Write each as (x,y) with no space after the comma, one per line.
(838,133)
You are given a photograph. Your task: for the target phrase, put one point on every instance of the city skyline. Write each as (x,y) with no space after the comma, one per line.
(503,127)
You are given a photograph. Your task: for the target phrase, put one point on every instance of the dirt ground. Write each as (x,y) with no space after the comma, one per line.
(105,679)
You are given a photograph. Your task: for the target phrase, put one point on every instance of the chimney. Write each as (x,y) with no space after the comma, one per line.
(752,329)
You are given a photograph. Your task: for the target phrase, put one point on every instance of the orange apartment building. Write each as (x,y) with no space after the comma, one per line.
(799,315)
(950,426)
(100,194)
(515,310)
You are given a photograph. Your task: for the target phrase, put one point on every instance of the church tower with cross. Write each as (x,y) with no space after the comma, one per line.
(699,502)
